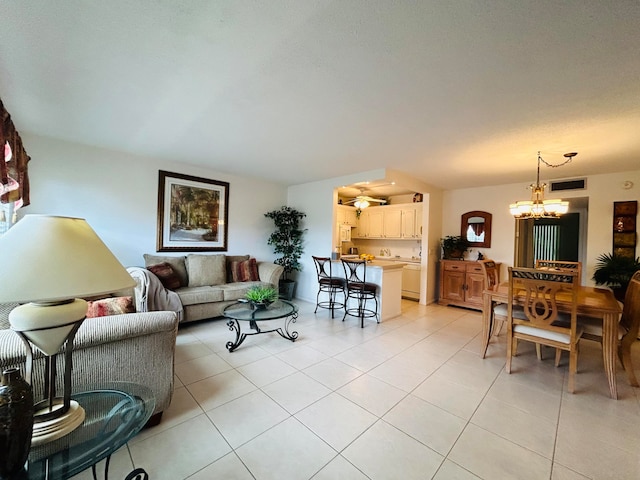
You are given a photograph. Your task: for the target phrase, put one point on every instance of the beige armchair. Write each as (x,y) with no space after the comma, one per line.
(136,347)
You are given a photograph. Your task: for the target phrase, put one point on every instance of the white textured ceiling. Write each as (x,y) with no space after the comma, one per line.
(456,93)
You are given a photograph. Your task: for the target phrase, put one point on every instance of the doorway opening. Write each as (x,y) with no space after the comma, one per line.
(563,238)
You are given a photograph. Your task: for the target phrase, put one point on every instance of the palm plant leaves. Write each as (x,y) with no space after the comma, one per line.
(615,270)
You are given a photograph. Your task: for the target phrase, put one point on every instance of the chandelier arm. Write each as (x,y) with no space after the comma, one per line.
(569,158)
(538,207)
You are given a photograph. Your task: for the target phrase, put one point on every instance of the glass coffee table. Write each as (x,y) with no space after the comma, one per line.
(114,413)
(243,312)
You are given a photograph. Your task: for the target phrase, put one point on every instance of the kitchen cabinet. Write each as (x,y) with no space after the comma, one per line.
(411,281)
(376,223)
(347,215)
(412,222)
(390,222)
(362,228)
(461,283)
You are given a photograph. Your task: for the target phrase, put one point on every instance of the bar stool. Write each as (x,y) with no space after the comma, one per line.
(327,283)
(355,271)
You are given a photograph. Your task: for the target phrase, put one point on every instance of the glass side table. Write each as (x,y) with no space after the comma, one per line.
(243,312)
(114,413)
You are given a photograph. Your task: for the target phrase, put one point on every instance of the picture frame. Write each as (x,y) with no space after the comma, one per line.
(193,213)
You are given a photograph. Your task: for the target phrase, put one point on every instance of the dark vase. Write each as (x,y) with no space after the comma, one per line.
(16,423)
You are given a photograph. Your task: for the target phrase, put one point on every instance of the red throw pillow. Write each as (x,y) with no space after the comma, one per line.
(246,271)
(110,306)
(166,274)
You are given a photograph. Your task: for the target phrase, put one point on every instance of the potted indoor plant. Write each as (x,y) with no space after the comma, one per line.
(454,246)
(287,241)
(615,271)
(261,297)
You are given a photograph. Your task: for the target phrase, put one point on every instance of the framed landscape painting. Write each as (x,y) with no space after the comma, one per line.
(192,213)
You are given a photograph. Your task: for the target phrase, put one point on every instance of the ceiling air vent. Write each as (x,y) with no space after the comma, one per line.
(579,184)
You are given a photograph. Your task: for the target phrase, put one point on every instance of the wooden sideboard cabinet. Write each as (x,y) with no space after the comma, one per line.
(461,283)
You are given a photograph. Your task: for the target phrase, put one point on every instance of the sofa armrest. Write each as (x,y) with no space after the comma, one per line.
(133,347)
(270,272)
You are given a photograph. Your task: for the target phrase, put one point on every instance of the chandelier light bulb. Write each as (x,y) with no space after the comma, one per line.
(538,207)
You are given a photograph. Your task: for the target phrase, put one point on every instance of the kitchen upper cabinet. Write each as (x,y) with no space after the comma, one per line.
(376,223)
(390,221)
(362,228)
(347,215)
(409,222)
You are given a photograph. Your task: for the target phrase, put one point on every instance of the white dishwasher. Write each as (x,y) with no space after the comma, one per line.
(411,281)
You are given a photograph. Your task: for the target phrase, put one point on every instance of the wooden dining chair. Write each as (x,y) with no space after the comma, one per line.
(533,314)
(560,265)
(491,282)
(628,328)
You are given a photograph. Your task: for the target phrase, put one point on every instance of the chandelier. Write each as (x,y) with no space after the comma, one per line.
(538,207)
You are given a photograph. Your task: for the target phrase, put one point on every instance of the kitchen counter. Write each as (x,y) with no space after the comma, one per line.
(387,275)
(387,259)
(385,264)
(400,259)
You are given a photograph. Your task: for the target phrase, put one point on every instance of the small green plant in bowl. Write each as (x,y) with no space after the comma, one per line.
(261,296)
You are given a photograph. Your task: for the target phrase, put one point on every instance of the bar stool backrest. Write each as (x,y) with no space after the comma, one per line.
(355,271)
(323,267)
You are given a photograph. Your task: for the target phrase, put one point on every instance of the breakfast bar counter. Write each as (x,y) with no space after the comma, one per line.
(387,275)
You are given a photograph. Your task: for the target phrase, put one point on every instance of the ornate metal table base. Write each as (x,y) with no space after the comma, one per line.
(234,325)
(136,474)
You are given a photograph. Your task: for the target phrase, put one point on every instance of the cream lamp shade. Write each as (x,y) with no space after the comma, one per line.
(46,263)
(49,259)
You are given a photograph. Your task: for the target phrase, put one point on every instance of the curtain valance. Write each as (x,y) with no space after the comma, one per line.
(13,163)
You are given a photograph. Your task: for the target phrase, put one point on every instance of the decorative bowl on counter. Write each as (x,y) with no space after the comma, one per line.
(367,257)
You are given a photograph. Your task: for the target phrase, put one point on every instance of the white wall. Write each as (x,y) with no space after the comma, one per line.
(317,200)
(602,191)
(117,194)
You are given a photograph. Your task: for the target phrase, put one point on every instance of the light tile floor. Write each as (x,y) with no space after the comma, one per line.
(409,398)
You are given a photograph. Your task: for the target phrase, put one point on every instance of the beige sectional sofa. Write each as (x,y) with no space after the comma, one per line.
(136,347)
(204,286)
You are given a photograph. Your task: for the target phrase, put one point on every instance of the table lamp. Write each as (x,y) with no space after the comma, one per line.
(48,261)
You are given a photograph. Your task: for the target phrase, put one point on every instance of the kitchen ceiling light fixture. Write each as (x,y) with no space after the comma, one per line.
(363,201)
(538,207)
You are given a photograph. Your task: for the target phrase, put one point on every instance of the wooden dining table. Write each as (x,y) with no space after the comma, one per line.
(592,302)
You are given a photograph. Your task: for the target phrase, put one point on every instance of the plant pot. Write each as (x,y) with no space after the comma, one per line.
(453,254)
(619,293)
(287,289)
(260,305)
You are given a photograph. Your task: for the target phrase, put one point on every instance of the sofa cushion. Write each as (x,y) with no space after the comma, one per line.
(236,291)
(110,306)
(166,274)
(197,295)
(246,271)
(230,260)
(177,263)
(206,270)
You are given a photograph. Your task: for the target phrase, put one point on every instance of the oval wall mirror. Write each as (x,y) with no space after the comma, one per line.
(476,228)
